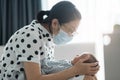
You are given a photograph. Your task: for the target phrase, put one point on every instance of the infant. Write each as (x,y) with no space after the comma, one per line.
(53,66)
(92,59)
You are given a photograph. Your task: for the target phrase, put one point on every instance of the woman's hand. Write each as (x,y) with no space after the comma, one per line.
(90,77)
(85,68)
(77,58)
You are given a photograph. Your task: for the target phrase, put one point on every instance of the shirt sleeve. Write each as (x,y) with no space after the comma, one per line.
(27,47)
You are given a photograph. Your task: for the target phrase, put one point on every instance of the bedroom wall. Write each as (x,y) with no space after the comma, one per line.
(69,51)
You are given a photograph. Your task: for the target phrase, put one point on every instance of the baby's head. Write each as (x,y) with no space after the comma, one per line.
(91,59)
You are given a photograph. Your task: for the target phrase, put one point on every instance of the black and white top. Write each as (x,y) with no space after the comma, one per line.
(32,43)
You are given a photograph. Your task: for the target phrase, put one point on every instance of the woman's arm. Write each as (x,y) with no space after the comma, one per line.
(33,71)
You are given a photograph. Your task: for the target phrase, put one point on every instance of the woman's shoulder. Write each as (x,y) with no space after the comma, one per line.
(32,28)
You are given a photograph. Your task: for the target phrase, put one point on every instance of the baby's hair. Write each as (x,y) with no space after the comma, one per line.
(92,59)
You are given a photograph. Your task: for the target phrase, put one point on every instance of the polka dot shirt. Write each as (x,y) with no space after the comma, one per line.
(32,43)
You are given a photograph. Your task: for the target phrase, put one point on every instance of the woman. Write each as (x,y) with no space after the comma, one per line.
(30,50)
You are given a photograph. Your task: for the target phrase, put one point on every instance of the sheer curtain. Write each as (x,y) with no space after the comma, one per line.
(14,14)
(98,17)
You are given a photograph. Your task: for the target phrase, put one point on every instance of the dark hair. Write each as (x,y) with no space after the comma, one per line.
(64,11)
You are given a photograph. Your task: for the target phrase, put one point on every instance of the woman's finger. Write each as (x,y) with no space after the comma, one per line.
(94,64)
(84,59)
(95,68)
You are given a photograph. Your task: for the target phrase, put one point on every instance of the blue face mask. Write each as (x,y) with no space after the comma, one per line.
(62,38)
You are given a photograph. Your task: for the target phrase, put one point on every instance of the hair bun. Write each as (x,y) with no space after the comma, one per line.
(40,15)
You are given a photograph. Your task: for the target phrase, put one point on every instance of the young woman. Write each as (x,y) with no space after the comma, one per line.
(29,53)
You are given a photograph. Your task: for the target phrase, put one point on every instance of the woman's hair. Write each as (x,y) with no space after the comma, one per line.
(64,11)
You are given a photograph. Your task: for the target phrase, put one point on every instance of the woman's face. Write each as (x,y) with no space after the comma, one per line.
(70,28)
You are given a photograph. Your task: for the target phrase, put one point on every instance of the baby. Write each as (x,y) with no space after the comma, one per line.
(49,67)
(92,59)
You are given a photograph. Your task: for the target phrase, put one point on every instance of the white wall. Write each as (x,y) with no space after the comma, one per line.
(69,51)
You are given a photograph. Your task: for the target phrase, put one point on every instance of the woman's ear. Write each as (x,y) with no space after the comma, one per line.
(55,24)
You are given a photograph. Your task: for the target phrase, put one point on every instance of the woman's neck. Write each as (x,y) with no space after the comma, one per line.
(47,27)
